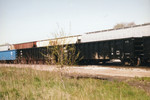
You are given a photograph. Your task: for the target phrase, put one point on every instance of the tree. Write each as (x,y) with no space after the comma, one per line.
(122,25)
(61,52)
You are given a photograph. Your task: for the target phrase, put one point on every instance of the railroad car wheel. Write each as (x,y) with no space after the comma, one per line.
(27,61)
(40,62)
(44,62)
(127,62)
(137,62)
(22,61)
(32,62)
(15,62)
(123,62)
(103,62)
(35,62)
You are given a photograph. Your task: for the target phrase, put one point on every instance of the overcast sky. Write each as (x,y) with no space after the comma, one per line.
(31,20)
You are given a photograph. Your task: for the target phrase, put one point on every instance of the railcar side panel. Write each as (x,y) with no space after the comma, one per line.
(8,55)
(4,47)
(112,34)
(127,50)
(23,45)
(146,49)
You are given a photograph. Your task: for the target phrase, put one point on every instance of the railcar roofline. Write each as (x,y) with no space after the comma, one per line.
(117,29)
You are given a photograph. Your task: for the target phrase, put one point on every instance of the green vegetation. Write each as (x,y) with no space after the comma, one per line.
(144,79)
(62,55)
(29,84)
(62,50)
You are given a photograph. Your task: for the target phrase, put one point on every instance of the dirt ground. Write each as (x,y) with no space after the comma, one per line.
(109,73)
(92,70)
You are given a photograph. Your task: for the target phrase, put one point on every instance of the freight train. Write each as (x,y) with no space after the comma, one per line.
(129,45)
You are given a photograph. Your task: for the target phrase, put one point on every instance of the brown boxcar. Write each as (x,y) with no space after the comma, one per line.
(24,45)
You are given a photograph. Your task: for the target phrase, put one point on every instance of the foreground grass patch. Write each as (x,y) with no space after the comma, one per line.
(28,84)
(144,79)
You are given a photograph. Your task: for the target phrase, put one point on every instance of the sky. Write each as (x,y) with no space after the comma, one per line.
(33,20)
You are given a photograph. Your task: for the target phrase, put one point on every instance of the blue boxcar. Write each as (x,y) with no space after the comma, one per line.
(8,55)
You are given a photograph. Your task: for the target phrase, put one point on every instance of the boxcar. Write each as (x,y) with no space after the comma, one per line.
(10,55)
(23,45)
(4,47)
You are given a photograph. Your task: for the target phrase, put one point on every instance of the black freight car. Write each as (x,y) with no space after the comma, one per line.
(32,55)
(146,58)
(41,55)
(125,44)
(128,50)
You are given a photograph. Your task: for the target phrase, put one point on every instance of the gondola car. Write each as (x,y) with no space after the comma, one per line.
(32,55)
(124,44)
(146,48)
(128,51)
(38,54)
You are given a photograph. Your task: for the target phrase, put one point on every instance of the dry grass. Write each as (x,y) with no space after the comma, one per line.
(29,84)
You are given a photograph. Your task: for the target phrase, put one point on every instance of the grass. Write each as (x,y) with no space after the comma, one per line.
(144,79)
(29,84)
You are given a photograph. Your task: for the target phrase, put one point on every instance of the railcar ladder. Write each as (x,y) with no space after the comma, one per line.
(138,50)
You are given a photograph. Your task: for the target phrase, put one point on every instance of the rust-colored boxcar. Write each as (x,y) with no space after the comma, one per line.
(24,45)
